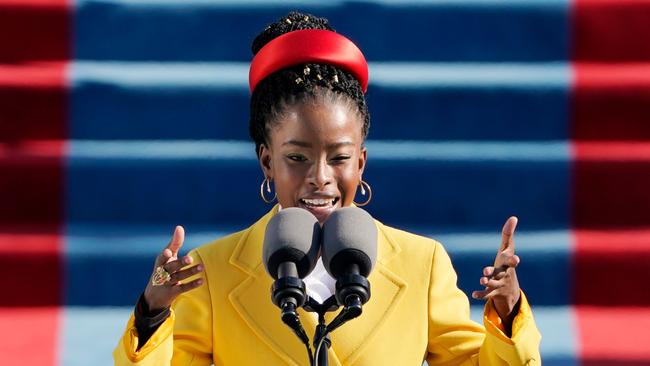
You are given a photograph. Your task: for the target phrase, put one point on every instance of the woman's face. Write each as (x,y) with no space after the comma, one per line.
(315,158)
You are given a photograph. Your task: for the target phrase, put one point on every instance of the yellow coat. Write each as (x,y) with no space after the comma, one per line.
(416,313)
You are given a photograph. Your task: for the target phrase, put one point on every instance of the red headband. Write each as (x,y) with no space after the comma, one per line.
(308,46)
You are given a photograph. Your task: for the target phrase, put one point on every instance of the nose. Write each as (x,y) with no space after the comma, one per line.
(320,174)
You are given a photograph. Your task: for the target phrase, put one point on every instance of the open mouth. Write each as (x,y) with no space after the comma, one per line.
(320,207)
(319,202)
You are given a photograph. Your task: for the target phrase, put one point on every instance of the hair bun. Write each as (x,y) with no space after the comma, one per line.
(288,23)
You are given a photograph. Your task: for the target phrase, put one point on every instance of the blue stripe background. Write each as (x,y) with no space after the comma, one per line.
(511,102)
(463,30)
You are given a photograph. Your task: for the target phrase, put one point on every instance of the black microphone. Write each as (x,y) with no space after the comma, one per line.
(349,253)
(291,246)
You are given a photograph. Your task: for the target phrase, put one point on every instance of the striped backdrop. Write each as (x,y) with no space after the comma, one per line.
(122,118)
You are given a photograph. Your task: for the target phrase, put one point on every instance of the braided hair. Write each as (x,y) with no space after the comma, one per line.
(300,83)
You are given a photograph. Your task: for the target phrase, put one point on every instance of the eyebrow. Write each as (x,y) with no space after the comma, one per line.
(308,145)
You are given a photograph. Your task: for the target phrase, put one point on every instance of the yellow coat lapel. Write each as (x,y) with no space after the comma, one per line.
(252,300)
(387,289)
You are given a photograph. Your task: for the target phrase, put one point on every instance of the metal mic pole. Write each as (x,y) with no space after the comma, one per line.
(322,341)
(322,355)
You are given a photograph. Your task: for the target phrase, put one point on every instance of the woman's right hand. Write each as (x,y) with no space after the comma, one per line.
(161,296)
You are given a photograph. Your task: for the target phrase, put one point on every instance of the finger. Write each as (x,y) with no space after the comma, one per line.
(498,270)
(487,271)
(485,281)
(513,261)
(177,264)
(186,273)
(184,287)
(163,257)
(176,241)
(493,283)
(490,295)
(507,234)
(481,294)
(498,275)
(506,260)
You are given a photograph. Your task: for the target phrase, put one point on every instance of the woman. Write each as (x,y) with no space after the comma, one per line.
(309,120)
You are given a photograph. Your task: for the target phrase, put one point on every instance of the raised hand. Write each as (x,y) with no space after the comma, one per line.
(161,295)
(500,280)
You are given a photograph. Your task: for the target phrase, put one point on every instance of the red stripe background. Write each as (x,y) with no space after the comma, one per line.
(611,139)
(34,50)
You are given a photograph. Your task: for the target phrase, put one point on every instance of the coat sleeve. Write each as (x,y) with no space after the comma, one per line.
(185,338)
(454,339)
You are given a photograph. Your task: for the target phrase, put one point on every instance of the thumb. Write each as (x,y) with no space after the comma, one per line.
(508,233)
(176,241)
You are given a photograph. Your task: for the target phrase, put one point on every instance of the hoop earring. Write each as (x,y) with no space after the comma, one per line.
(363,193)
(268,189)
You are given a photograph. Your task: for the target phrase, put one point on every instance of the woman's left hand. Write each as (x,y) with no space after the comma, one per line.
(500,280)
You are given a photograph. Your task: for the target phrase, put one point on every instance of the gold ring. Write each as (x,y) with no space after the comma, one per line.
(160,276)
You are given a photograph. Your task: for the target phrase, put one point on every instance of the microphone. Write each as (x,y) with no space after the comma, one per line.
(349,253)
(290,252)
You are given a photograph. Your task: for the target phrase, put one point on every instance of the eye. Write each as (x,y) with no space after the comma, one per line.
(341,158)
(296,157)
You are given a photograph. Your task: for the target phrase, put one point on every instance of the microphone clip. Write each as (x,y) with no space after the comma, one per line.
(288,289)
(351,289)
(288,293)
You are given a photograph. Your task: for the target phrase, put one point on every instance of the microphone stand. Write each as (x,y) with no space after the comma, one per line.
(288,292)
(284,293)
(322,341)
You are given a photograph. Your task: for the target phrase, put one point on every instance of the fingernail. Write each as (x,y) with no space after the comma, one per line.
(199,267)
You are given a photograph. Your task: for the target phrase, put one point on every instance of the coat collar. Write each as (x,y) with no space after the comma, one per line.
(252,301)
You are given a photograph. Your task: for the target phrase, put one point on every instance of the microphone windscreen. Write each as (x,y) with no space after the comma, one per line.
(292,235)
(349,237)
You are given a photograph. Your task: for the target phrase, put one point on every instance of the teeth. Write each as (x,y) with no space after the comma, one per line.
(317,202)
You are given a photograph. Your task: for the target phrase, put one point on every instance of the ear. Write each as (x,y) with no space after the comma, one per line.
(363,157)
(265,161)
